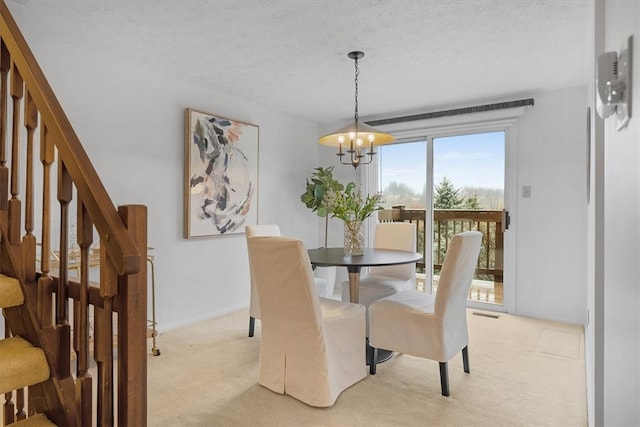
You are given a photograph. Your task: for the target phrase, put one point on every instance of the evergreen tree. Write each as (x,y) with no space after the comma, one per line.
(446,196)
(472,203)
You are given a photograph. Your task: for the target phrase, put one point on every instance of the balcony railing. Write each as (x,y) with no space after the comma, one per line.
(446,223)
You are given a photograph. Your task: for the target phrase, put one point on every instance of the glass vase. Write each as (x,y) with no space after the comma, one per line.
(353,237)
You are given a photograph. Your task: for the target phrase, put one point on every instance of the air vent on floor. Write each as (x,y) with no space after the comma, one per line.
(493,316)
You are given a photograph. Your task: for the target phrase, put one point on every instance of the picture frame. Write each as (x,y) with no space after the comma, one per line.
(220,174)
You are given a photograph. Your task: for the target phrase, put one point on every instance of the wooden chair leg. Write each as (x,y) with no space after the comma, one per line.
(252,324)
(444,378)
(465,359)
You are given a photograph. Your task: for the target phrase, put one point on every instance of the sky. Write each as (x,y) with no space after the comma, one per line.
(468,160)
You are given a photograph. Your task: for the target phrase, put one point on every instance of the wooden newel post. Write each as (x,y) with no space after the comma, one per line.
(132,326)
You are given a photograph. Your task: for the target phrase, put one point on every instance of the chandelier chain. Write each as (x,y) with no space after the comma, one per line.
(356,82)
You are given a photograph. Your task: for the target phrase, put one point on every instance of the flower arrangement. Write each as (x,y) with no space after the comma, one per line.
(350,204)
(328,197)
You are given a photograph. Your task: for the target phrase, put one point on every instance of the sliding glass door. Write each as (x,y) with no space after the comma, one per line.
(468,194)
(446,185)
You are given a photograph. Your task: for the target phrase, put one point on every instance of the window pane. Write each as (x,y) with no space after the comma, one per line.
(472,164)
(403,172)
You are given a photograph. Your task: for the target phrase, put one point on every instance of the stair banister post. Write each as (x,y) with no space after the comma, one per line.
(132,330)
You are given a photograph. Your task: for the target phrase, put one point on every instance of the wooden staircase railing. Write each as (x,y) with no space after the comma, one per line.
(33,125)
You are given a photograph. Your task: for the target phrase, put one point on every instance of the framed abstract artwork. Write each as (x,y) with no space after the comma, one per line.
(221,175)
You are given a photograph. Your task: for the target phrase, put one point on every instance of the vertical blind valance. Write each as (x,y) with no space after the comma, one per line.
(454,112)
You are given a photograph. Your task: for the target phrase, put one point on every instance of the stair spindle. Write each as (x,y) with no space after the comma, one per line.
(29,239)
(5,64)
(81,317)
(45,282)
(65,195)
(20,413)
(8,407)
(15,205)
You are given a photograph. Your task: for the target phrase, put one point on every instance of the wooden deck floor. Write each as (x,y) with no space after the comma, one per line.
(480,290)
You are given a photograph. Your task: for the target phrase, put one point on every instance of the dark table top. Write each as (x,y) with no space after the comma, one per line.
(324,257)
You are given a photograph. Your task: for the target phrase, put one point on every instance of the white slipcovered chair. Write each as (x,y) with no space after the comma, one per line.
(311,348)
(383,281)
(424,325)
(254,305)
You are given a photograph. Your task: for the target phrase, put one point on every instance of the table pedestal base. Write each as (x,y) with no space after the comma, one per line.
(382,354)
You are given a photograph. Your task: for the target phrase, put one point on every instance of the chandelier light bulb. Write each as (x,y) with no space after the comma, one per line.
(341,139)
(371,137)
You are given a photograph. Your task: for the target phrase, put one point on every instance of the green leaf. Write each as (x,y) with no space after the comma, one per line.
(319,193)
(350,187)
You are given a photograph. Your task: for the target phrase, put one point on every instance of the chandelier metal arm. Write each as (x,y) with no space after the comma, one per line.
(356,155)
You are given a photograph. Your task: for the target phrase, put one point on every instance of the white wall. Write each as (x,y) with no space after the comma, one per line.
(551,239)
(622,237)
(131,124)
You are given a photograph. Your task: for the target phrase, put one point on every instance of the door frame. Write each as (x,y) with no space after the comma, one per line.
(488,121)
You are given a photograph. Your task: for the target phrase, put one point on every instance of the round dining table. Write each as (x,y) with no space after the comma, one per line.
(372,257)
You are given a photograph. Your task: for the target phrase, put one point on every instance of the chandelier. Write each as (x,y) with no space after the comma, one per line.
(356,140)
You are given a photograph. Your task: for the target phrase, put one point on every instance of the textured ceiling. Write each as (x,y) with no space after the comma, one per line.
(291,55)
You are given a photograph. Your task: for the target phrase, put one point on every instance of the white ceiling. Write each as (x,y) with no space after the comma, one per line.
(291,55)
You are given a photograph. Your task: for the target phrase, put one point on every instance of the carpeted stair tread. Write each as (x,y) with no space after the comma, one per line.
(38,420)
(21,364)
(10,292)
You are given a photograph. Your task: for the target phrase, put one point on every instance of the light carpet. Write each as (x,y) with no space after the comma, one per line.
(524,372)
